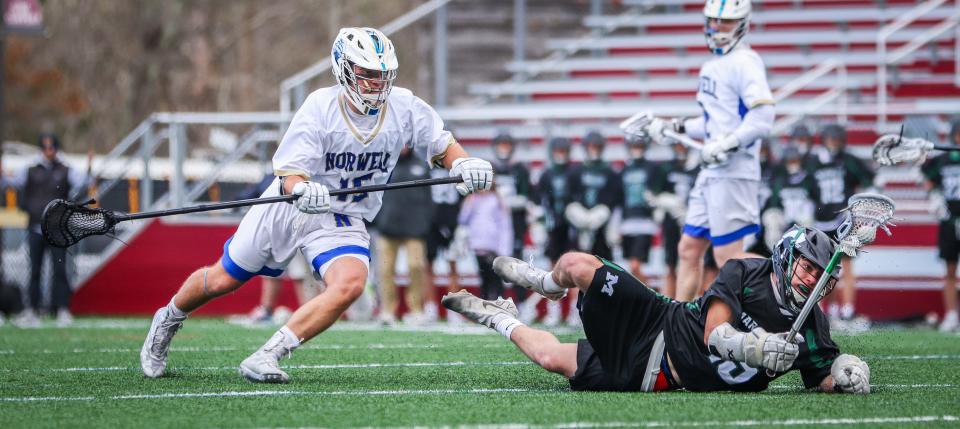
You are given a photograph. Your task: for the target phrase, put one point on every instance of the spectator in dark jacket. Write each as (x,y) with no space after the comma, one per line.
(46,180)
(404,221)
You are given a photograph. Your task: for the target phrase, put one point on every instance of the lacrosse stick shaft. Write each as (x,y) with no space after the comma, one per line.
(811,300)
(947,148)
(684,139)
(286,198)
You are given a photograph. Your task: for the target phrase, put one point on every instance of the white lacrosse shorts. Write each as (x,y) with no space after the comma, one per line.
(270,235)
(723,210)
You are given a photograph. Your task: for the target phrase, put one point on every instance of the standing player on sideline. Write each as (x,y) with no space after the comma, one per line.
(638,226)
(673,181)
(639,340)
(513,185)
(737,112)
(343,136)
(838,175)
(943,183)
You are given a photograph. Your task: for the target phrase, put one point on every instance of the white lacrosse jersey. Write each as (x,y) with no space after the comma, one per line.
(331,145)
(731,85)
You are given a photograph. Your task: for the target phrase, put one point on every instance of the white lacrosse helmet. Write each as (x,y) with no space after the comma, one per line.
(720,43)
(365,65)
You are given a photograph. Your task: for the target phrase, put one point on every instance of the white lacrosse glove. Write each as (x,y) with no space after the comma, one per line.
(314,197)
(938,206)
(477,175)
(716,151)
(577,215)
(773,222)
(658,126)
(850,374)
(672,204)
(757,348)
(597,216)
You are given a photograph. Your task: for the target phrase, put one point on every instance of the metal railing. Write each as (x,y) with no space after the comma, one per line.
(884,59)
(838,92)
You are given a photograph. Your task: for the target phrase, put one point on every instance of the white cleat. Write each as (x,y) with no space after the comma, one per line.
(523,274)
(263,366)
(478,310)
(153,354)
(950,322)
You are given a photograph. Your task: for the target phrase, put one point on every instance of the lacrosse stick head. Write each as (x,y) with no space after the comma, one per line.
(64,223)
(637,124)
(893,149)
(866,212)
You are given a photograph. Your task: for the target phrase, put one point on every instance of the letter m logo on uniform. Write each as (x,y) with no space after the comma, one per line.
(608,286)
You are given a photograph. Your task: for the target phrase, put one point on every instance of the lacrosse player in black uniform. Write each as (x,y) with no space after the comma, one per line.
(513,185)
(594,193)
(554,193)
(638,226)
(671,187)
(943,182)
(838,175)
(792,188)
(639,340)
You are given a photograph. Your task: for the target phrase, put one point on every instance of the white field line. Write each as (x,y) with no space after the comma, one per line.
(715,423)
(371,346)
(243,393)
(328,366)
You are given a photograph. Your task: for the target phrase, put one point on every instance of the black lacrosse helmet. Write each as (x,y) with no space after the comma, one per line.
(64,223)
(811,244)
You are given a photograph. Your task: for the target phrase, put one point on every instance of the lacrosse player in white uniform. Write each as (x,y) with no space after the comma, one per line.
(737,112)
(344,136)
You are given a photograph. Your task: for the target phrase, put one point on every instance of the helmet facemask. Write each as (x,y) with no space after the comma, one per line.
(366,89)
(790,263)
(722,42)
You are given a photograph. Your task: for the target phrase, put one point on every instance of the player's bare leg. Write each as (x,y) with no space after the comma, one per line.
(690,266)
(670,283)
(345,280)
(542,347)
(636,268)
(950,321)
(199,288)
(545,350)
(848,295)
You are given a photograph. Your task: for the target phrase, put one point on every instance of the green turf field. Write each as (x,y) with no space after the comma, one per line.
(357,376)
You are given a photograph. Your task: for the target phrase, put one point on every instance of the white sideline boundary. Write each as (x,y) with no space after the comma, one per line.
(255,393)
(668,424)
(371,346)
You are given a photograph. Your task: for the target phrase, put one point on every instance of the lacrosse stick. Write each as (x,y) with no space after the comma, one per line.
(893,149)
(865,213)
(637,124)
(64,223)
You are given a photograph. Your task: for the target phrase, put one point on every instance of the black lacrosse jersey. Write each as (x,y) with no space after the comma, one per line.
(595,183)
(944,172)
(745,285)
(792,193)
(513,179)
(636,179)
(673,177)
(554,193)
(836,181)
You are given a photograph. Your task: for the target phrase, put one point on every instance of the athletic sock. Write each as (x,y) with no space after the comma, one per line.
(846,312)
(289,338)
(551,286)
(505,324)
(174,312)
(833,310)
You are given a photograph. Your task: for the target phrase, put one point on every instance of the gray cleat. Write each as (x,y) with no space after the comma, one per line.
(153,354)
(523,274)
(479,310)
(263,366)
